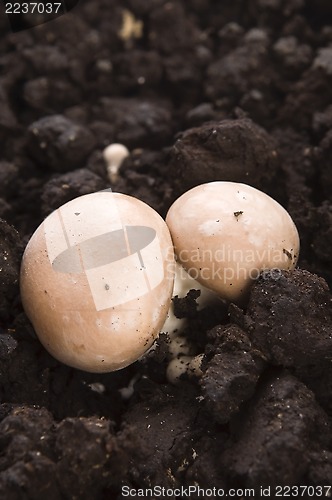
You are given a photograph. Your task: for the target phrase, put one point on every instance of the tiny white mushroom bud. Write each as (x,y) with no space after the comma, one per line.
(114,154)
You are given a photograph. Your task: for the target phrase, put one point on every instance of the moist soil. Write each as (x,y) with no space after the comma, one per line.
(197,91)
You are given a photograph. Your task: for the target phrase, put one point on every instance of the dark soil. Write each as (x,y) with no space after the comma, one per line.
(204,90)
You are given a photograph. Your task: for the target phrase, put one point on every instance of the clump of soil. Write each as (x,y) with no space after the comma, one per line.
(198,91)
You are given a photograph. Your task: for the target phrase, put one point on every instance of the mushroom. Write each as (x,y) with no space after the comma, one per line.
(114,154)
(226,233)
(97,279)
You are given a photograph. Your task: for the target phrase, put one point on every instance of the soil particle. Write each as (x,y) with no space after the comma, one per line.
(283,326)
(167,431)
(27,465)
(58,144)
(322,122)
(7,118)
(62,188)
(77,458)
(136,69)
(230,150)
(294,58)
(9,269)
(323,155)
(322,240)
(232,373)
(275,441)
(233,75)
(144,175)
(8,177)
(47,94)
(85,448)
(311,93)
(135,122)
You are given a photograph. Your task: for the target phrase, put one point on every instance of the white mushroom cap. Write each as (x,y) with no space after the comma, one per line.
(226,233)
(97,280)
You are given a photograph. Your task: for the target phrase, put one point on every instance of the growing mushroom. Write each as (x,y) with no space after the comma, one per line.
(114,154)
(97,280)
(226,233)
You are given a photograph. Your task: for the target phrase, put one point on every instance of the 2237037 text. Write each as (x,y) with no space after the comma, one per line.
(301,491)
(32,7)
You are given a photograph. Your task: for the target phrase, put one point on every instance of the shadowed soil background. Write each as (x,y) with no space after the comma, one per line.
(198,91)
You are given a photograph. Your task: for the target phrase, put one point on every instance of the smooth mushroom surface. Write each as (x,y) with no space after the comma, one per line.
(97,280)
(226,233)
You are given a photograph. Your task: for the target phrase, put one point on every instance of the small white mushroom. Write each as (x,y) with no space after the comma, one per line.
(114,154)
